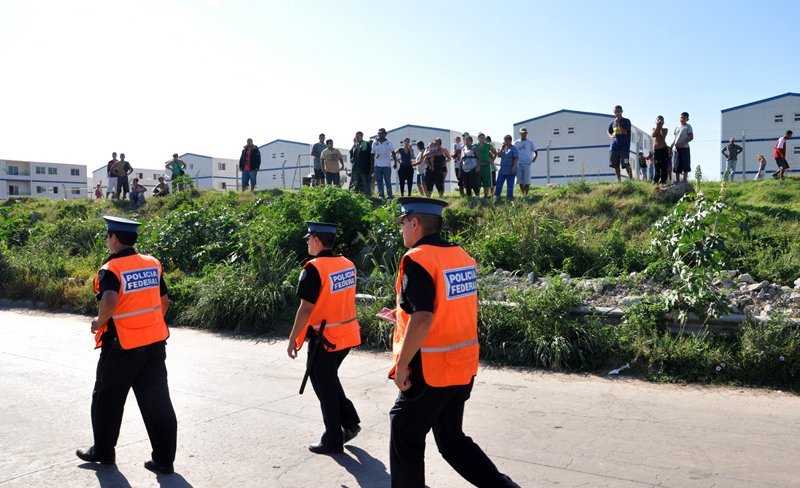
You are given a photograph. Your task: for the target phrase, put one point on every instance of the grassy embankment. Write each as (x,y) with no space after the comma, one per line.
(232,261)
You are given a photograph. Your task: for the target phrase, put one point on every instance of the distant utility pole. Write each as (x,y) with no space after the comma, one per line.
(744,156)
(548,161)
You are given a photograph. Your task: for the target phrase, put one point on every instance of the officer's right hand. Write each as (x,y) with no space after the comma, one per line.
(95,325)
(292,349)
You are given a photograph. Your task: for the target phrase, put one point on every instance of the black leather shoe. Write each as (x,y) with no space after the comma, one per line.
(350,434)
(90,456)
(158,468)
(320,448)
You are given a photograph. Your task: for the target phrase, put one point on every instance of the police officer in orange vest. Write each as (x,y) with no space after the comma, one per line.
(131,333)
(435,352)
(327,291)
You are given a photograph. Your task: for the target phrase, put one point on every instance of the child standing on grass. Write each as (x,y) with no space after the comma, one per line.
(762,164)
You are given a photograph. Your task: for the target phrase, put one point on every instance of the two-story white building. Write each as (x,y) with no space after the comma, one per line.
(756,126)
(285,163)
(574,146)
(55,181)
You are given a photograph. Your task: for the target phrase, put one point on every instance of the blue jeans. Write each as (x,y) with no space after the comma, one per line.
(383,177)
(509,180)
(249,176)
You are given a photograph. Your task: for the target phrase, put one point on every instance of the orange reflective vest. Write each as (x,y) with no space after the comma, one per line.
(137,316)
(336,304)
(450,352)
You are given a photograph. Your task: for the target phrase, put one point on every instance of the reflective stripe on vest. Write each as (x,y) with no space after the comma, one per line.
(335,324)
(336,303)
(137,312)
(450,350)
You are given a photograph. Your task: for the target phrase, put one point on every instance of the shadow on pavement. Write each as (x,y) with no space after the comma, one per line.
(367,470)
(107,475)
(172,481)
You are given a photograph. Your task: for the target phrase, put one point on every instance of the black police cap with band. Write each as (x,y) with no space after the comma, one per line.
(121,224)
(419,205)
(320,228)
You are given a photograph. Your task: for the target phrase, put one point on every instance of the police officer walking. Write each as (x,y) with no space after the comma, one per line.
(435,352)
(327,291)
(131,333)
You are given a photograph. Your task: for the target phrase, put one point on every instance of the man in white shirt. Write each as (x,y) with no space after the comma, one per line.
(382,150)
(527,155)
(683,136)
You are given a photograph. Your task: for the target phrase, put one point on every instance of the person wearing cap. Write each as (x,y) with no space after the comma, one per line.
(527,156)
(435,351)
(131,333)
(327,292)
(177,168)
(382,150)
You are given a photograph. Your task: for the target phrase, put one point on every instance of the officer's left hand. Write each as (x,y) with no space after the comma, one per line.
(401,378)
(95,324)
(292,349)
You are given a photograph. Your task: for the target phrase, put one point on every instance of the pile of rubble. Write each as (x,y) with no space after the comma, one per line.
(745,296)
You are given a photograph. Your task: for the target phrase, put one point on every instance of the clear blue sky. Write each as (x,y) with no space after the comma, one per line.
(82,79)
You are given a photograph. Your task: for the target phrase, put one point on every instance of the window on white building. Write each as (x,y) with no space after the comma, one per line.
(796,150)
(274,177)
(556,131)
(75,191)
(55,190)
(221,166)
(40,189)
(13,190)
(191,165)
(570,130)
(155,176)
(797,117)
(52,171)
(40,170)
(13,170)
(778,118)
(74,172)
(282,155)
(274,155)
(556,159)
(140,176)
(571,158)
(223,185)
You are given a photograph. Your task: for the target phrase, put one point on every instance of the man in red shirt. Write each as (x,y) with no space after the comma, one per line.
(249,163)
(780,155)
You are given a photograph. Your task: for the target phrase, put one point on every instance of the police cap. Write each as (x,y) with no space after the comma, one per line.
(121,224)
(419,205)
(320,228)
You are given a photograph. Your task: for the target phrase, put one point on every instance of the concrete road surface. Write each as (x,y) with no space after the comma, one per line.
(241,422)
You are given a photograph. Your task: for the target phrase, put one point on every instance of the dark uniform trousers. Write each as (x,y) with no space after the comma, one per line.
(143,369)
(337,410)
(422,408)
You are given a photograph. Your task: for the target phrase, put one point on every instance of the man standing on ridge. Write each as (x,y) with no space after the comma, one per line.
(527,156)
(131,333)
(435,349)
(327,313)
(249,163)
(619,130)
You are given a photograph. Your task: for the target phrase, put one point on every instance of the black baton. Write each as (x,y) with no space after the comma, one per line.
(311,355)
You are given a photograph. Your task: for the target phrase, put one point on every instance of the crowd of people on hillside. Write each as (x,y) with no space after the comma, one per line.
(119,187)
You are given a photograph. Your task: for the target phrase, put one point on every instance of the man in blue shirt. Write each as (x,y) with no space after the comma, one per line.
(316,152)
(619,130)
